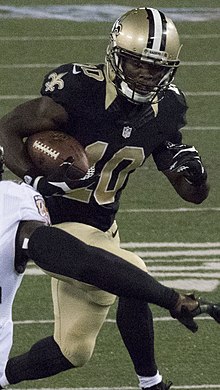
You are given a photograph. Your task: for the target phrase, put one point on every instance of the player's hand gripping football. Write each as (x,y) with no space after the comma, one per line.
(188,307)
(186,161)
(61,180)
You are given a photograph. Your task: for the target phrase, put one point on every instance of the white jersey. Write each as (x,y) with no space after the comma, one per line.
(18,202)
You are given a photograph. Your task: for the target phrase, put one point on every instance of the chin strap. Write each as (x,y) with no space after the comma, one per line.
(136,97)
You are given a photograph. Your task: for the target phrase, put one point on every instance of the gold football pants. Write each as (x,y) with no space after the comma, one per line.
(79,308)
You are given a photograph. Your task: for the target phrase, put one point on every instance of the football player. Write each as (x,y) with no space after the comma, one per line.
(19,202)
(121,111)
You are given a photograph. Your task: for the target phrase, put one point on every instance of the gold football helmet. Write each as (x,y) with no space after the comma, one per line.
(145,38)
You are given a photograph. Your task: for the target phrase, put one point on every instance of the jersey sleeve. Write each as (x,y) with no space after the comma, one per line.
(172,115)
(33,205)
(75,87)
(172,119)
(60,84)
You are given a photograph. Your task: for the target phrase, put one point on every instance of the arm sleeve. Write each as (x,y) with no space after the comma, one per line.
(33,206)
(172,119)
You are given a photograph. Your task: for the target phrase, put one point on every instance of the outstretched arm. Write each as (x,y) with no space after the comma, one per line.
(63,255)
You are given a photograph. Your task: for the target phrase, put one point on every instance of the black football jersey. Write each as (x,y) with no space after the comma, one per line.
(118,137)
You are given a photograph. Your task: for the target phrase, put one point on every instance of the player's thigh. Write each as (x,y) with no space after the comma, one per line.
(79,311)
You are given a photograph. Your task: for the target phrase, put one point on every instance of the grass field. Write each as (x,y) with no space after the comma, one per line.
(179,241)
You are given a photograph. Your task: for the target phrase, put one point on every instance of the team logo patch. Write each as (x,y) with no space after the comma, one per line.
(55,80)
(126,132)
(41,207)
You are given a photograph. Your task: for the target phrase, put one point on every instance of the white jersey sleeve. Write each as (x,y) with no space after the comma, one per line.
(18,202)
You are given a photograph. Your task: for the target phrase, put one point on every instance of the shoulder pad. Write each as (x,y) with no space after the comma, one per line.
(179,95)
(175,89)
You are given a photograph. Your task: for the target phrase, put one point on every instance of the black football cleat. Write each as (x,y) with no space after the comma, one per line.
(159,386)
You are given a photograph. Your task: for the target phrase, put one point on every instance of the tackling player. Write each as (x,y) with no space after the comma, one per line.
(18,202)
(122,112)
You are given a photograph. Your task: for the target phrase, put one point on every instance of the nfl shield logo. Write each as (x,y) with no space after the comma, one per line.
(126,132)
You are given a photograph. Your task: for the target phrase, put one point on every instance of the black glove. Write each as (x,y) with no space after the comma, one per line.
(213,309)
(59,182)
(185,160)
(188,307)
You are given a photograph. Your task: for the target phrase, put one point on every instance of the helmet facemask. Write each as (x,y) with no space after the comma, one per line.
(120,50)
